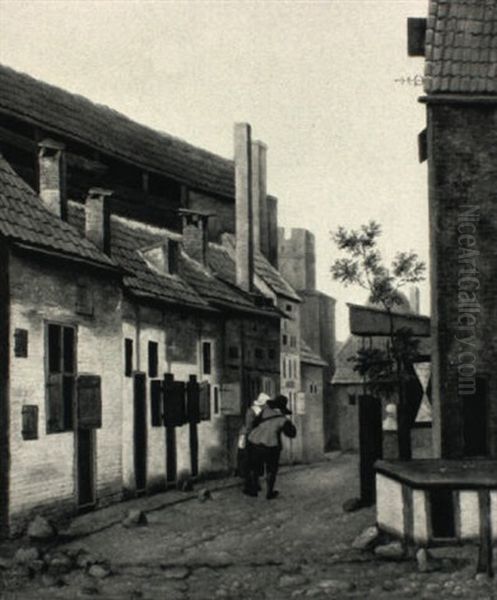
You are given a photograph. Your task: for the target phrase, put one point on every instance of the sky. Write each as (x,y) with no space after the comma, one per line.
(323,84)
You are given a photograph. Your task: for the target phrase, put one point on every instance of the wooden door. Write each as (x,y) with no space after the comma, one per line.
(85,467)
(370,445)
(140,432)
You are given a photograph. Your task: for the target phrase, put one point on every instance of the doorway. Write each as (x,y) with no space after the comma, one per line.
(370,445)
(140,432)
(86,467)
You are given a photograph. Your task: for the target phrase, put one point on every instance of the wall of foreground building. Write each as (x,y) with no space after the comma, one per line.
(42,470)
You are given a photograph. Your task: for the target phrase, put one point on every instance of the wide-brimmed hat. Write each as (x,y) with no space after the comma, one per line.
(261,399)
(280,402)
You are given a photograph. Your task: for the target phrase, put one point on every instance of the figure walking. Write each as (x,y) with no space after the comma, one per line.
(265,444)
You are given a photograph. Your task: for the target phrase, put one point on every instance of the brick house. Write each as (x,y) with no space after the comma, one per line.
(61,352)
(454,497)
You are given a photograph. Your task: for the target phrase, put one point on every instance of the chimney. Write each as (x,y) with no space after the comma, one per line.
(259,192)
(244,227)
(414,299)
(272,230)
(51,170)
(97,222)
(195,235)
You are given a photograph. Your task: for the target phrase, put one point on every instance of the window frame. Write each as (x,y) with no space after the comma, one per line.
(67,377)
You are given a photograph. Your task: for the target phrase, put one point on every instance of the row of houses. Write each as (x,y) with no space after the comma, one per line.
(142,307)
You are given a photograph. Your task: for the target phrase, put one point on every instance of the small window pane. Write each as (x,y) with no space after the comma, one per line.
(68,346)
(216,400)
(207,360)
(128,357)
(54,349)
(153,359)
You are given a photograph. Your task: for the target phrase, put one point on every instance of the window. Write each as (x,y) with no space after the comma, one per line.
(128,357)
(61,368)
(84,300)
(288,307)
(259,353)
(215,393)
(153,359)
(233,352)
(172,256)
(206,358)
(352,399)
(283,363)
(290,373)
(271,353)
(284,340)
(21,343)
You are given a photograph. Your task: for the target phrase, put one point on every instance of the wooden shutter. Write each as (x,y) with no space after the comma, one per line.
(89,402)
(30,422)
(157,403)
(205,401)
(192,400)
(21,343)
(174,403)
(55,413)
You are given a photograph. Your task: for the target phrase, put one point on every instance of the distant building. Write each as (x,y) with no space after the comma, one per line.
(297,264)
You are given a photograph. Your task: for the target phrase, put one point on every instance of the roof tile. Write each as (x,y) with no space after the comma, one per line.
(24,218)
(458,38)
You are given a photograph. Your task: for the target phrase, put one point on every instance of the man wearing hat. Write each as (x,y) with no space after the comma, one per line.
(265,442)
(245,467)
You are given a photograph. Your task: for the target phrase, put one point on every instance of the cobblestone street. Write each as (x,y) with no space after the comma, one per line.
(232,546)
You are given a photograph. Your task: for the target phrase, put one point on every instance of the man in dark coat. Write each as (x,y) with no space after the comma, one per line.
(265,442)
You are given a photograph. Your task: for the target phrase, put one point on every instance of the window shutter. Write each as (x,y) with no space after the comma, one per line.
(55,413)
(30,422)
(174,402)
(205,401)
(21,343)
(157,404)
(192,400)
(89,402)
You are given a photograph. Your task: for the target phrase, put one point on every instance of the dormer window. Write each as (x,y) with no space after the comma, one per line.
(172,256)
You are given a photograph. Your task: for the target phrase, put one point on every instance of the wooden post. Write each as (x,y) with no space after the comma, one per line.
(485,550)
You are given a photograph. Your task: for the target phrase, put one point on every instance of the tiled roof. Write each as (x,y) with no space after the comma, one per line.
(308,356)
(194,285)
(461,47)
(221,261)
(110,132)
(24,219)
(142,279)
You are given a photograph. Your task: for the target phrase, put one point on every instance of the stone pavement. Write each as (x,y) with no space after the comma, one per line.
(234,547)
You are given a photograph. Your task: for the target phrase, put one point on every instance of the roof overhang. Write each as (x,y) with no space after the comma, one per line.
(368,321)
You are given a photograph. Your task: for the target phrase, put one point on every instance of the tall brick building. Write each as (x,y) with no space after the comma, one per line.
(461,148)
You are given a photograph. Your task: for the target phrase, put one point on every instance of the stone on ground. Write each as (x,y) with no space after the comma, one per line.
(292,580)
(392,551)
(24,556)
(336,585)
(135,518)
(176,573)
(366,539)
(41,529)
(204,495)
(352,504)
(99,571)
(60,564)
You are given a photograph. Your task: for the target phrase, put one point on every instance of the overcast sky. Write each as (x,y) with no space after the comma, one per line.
(316,80)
